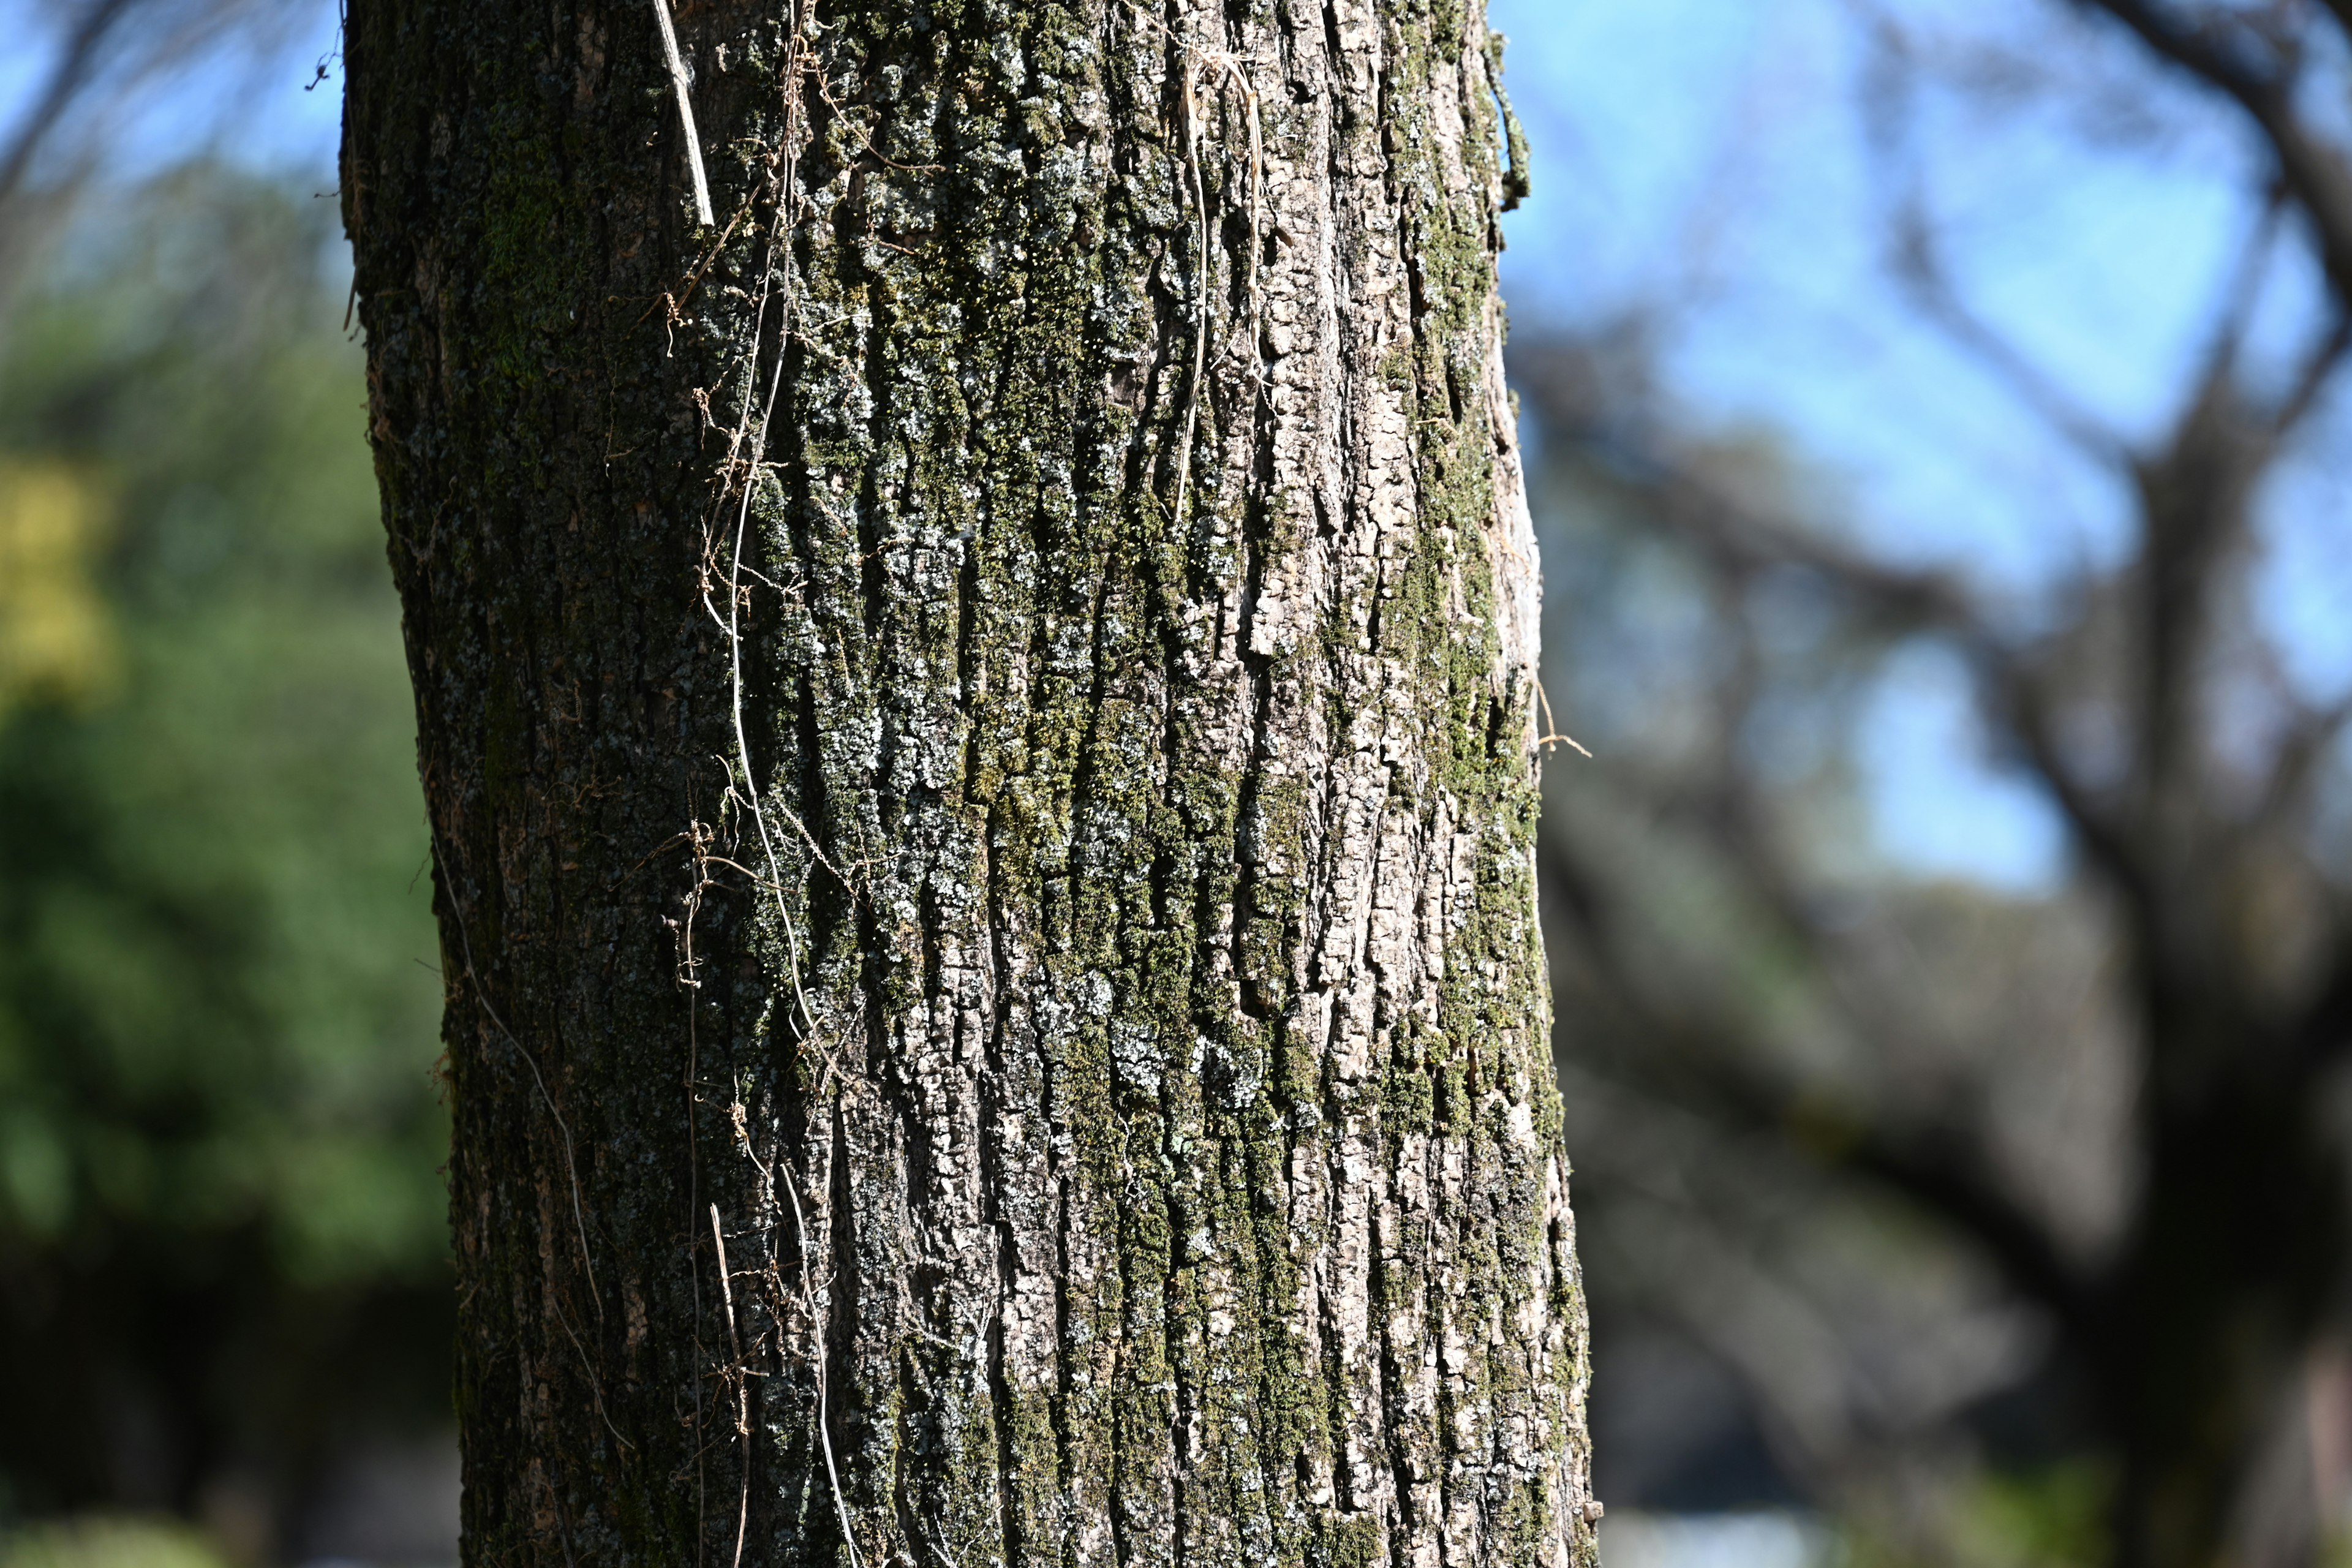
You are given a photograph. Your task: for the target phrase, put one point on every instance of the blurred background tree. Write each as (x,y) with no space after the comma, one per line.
(1990,1190)
(222,1285)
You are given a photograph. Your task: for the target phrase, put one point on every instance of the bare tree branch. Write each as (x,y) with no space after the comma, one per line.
(2324,357)
(2024,707)
(1746,540)
(1716,1061)
(2323,1036)
(1920,267)
(1939,1172)
(2194,502)
(2293,766)
(2315,172)
(1931,602)
(77,64)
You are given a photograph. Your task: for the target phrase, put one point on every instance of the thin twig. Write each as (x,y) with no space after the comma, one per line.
(742,1406)
(1229,67)
(1200,298)
(685,114)
(824,1431)
(751,790)
(595,1385)
(733,621)
(571,1166)
(778,261)
(1551,735)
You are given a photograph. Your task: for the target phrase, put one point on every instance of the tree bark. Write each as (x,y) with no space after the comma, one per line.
(977,715)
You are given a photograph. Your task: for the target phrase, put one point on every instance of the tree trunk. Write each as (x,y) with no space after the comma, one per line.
(977,714)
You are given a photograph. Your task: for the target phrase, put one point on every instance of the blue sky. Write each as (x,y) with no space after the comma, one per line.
(1705,158)
(252,104)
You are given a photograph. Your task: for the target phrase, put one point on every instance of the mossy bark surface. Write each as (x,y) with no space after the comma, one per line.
(978,718)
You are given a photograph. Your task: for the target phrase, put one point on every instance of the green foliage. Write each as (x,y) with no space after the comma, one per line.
(218,1024)
(2049,1516)
(104,1542)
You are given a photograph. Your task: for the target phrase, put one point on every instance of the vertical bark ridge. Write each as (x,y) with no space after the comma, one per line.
(1133,1135)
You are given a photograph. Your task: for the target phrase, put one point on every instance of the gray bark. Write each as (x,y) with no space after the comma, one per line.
(977,718)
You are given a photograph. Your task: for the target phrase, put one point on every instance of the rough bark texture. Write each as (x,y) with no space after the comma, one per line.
(977,715)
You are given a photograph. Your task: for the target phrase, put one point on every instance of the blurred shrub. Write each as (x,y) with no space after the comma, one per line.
(220,1228)
(56,638)
(108,1543)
